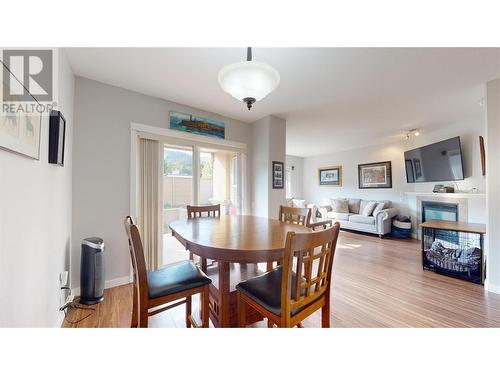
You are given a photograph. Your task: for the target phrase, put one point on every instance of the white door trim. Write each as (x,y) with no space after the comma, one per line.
(154,130)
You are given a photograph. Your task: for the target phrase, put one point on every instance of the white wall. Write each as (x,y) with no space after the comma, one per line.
(469,131)
(277,150)
(349,160)
(35,224)
(101,194)
(296,178)
(268,139)
(260,173)
(493,185)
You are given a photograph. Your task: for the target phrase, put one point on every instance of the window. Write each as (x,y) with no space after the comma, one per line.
(206,164)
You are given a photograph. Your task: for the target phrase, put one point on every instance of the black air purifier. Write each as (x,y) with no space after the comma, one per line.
(92,271)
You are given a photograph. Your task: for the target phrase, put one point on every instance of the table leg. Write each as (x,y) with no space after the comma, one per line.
(224,294)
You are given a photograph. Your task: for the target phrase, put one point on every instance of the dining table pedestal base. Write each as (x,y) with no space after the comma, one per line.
(224,277)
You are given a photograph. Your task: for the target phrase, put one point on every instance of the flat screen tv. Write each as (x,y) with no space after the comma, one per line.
(441,161)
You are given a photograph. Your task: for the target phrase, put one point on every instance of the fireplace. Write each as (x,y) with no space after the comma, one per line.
(432,210)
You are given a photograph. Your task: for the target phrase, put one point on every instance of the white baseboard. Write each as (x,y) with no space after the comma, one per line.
(108,284)
(117,282)
(491,287)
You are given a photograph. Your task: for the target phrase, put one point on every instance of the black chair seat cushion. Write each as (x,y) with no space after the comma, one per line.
(175,278)
(266,290)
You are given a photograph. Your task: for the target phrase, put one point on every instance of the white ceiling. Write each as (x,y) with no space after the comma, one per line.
(332,98)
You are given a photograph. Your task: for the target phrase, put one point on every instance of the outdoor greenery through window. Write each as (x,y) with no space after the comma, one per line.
(180,163)
(178,177)
(206,164)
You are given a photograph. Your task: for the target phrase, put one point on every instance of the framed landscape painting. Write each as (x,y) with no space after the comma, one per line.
(197,125)
(19,131)
(330,176)
(375,175)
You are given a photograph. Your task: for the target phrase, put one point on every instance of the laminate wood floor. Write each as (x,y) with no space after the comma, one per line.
(376,283)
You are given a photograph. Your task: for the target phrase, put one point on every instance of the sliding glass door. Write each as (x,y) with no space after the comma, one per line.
(198,176)
(177,194)
(218,182)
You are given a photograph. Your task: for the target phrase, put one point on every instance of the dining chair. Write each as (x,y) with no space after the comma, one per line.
(292,215)
(323,224)
(293,291)
(295,215)
(198,211)
(176,282)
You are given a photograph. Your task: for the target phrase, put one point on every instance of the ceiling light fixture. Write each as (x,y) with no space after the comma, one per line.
(249,81)
(410,132)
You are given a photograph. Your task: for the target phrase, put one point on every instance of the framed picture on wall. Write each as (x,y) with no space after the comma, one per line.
(375,175)
(19,130)
(197,125)
(330,176)
(278,174)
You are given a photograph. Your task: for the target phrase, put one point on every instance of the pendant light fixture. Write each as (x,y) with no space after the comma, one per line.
(249,81)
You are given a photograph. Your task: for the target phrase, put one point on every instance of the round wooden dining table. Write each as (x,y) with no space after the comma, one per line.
(237,243)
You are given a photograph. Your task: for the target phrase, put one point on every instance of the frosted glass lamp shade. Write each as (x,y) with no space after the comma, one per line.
(249,79)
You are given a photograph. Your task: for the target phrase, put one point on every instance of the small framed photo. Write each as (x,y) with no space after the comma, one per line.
(375,175)
(278,169)
(330,176)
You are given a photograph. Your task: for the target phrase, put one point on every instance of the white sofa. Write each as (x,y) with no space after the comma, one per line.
(378,222)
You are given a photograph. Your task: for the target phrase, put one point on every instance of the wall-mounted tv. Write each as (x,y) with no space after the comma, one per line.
(441,161)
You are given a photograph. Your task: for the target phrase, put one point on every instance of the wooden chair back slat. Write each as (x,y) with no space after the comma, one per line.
(298,281)
(128,222)
(138,260)
(295,215)
(309,250)
(198,211)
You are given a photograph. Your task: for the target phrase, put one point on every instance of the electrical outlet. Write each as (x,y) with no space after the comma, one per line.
(69,297)
(63,278)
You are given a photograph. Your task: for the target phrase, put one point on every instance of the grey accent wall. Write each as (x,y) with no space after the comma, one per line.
(101,179)
(35,224)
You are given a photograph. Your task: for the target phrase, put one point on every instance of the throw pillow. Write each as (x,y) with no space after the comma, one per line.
(368,210)
(354,205)
(380,206)
(340,205)
(362,205)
